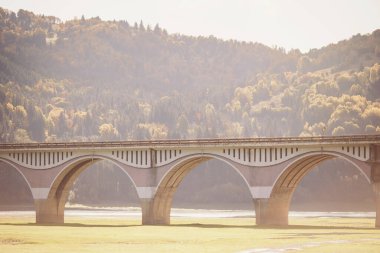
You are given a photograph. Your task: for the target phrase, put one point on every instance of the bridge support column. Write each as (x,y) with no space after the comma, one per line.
(152,213)
(147,210)
(47,211)
(155,207)
(375,179)
(376,189)
(271,212)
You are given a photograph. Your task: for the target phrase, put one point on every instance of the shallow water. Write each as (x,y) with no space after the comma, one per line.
(189,213)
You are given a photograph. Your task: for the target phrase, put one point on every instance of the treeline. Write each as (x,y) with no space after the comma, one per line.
(89,80)
(285,104)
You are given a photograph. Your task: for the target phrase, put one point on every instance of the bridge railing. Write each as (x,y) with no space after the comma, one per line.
(190,142)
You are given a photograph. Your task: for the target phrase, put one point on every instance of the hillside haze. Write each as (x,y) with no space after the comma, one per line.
(94,80)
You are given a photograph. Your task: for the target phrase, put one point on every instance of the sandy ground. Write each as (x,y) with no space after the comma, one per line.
(97,233)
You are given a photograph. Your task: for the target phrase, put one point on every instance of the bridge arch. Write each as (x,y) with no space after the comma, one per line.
(174,175)
(277,206)
(302,164)
(52,209)
(14,167)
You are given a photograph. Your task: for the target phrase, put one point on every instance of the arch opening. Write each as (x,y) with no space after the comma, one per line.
(15,191)
(286,184)
(334,185)
(202,182)
(103,185)
(102,178)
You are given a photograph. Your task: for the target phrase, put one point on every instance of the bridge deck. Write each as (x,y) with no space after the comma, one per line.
(199,142)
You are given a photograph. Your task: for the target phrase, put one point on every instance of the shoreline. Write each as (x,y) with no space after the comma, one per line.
(135,212)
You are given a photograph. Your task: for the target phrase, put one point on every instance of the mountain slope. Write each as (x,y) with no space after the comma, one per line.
(89,79)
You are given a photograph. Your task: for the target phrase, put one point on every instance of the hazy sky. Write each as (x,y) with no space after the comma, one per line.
(302,24)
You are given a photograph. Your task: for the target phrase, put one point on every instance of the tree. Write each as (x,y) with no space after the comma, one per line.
(25,18)
(36,121)
(61,127)
(304,64)
(182,126)
(21,136)
(157,29)
(141,26)
(108,132)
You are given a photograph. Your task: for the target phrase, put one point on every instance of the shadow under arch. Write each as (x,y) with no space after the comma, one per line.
(64,181)
(277,208)
(170,181)
(14,167)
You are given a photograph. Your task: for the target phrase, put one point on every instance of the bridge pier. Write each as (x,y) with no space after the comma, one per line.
(153,214)
(376,189)
(271,212)
(375,180)
(147,210)
(48,212)
(274,210)
(155,206)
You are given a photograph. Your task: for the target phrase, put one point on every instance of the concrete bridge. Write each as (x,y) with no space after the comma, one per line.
(271,168)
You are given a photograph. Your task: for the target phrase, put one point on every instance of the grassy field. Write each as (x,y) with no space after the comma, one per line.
(20,234)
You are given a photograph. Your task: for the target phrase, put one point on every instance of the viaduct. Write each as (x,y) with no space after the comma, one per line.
(271,168)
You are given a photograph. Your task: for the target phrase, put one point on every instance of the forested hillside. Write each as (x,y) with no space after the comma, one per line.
(89,80)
